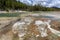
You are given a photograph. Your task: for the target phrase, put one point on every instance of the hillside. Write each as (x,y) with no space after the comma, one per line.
(17,5)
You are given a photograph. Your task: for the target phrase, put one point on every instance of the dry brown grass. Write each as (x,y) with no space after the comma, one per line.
(55,25)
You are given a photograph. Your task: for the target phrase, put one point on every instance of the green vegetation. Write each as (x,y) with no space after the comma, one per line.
(9,15)
(17,5)
(11,5)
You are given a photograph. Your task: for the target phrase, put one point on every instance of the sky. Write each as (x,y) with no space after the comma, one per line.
(47,3)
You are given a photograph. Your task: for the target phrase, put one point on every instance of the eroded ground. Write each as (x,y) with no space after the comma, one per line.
(5,27)
(33,32)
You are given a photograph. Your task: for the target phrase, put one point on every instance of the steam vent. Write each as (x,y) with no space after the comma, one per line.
(36,28)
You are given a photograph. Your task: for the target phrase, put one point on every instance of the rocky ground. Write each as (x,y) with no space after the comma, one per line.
(6,24)
(32,29)
(33,32)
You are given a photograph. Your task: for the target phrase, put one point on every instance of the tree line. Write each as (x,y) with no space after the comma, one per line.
(11,4)
(17,5)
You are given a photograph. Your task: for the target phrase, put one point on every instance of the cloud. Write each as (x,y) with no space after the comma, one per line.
(54,3)
(47,3)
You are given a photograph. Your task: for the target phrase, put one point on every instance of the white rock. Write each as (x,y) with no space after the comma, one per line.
(38,22)
(37,35)
(17,26)
(21,34)
(28,20)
